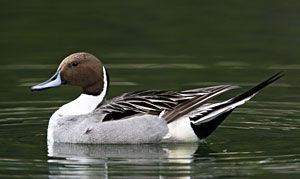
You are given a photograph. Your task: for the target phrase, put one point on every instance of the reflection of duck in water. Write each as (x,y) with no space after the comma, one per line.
(148,116)
(146,151)
(106,161)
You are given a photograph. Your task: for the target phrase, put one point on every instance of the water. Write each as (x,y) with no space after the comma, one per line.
(146,45)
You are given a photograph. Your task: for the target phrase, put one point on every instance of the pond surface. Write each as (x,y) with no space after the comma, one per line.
(145,45)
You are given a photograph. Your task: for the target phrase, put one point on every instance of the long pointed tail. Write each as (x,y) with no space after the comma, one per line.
(209,117)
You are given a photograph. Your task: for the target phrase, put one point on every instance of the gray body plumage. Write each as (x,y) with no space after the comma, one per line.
(90,129)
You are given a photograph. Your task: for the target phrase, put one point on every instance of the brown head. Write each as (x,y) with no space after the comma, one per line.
(79,69)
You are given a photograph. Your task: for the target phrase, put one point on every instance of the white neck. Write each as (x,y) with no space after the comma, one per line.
(84,103)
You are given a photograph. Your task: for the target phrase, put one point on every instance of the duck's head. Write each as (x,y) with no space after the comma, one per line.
(79,69)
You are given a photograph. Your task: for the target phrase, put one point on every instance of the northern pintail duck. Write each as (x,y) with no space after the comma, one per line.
(148,116)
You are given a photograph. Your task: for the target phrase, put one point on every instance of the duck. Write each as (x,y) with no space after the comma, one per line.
(144,116)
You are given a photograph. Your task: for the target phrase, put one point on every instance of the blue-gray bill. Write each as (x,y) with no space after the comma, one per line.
(54,81)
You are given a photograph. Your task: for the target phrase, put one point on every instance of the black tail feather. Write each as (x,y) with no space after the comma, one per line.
(203,128)
(258,87)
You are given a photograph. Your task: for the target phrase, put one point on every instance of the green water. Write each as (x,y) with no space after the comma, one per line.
(153,45)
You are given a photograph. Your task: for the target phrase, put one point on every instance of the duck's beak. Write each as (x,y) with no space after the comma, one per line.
(54,81)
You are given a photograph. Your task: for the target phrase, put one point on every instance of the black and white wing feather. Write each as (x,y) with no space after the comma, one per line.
(153,101)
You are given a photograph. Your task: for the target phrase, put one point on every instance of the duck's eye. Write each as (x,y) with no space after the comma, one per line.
(74,64)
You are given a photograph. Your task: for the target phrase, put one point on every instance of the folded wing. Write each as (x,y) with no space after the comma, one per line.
(154,101)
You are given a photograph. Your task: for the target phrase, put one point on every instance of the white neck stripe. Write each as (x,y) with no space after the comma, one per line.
(105,86)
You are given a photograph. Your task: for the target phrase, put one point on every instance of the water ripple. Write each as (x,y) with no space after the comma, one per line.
(285,67)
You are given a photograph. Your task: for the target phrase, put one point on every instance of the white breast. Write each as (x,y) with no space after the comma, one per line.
(84,104)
